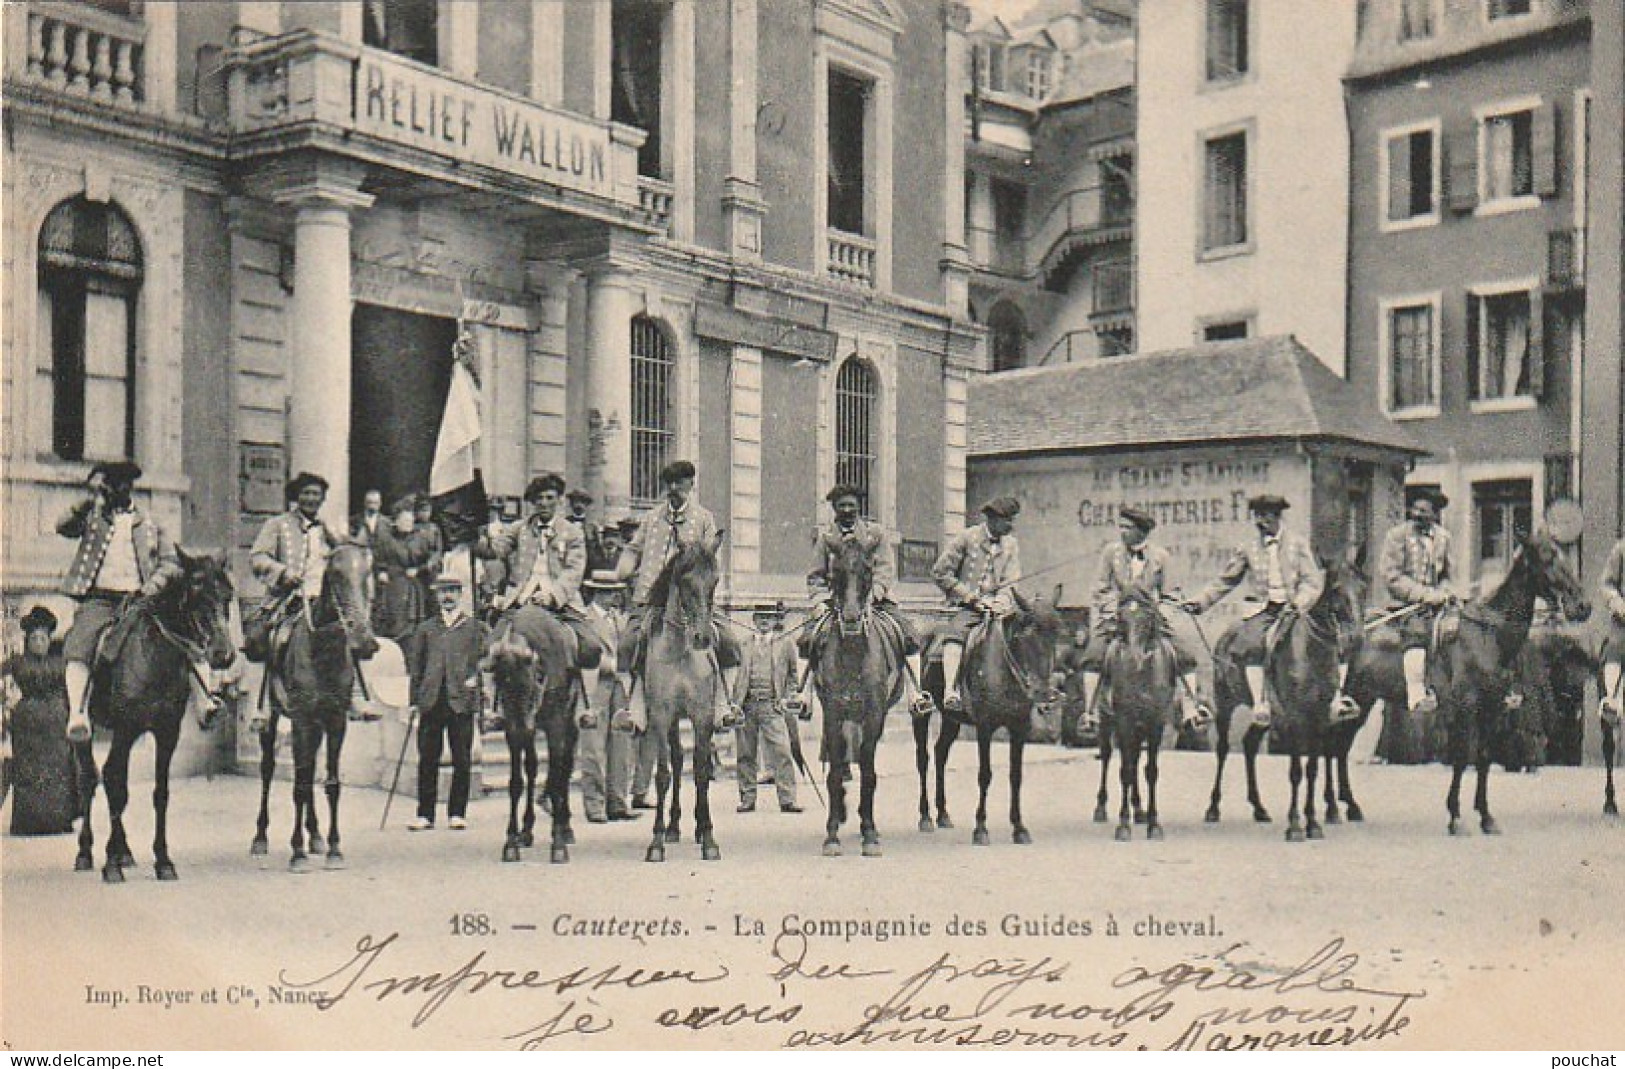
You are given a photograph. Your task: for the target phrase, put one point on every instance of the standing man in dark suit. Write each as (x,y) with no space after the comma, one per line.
(766,676)
(443,656)
(598,559)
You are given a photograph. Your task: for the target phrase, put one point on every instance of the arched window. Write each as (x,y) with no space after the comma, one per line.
(1008,330)
(89,280)
(652,432)
(856,394)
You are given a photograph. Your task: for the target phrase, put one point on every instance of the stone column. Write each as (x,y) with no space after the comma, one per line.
(745,479)
(955,263)
(319,337)
(955,438)
(603,55)
(608,462)
(678,122)
(547,51)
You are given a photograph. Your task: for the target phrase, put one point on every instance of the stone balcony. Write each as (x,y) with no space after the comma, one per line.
(79,51)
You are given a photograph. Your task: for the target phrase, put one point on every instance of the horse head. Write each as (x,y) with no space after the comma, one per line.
(1553,576)
(851,580)
(512,663)
(1032,634)
(690,580)
(200,607)
(1137,615)
(345,597)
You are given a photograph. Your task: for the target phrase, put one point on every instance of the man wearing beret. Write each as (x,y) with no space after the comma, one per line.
(1612,706)
(849,527)
(1280,572)
(544,557)
(122,553)
(442,655)
(677,521)
(1415,566)
(289,556)
(1132,565)
(976,571)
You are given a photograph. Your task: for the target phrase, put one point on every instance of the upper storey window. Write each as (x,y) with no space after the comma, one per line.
(635,96)
(848,142)
(1227,39)
(407,28)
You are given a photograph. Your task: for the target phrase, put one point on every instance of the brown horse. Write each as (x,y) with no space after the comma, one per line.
(1143,669)
(311,684)
(531,662)
(146,688)
(1301,674)
(680,677)
(1473,676)
(859,677)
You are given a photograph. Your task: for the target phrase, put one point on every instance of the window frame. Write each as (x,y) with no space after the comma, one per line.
(1247,318)
(668,433)
(1247,131)
(833,52)
(1386,138)
(1432,8)
(870,459)
(1248,69)
(1490,18)
(1482,117)
(1040,67)
(1516,402)
(1484,475)
(1386,307)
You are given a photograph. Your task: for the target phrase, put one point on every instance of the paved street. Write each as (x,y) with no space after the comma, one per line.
(1515,940)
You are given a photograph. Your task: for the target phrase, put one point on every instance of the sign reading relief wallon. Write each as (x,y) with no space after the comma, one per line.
(399,102)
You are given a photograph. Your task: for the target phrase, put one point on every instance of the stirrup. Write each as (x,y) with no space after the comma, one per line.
(79,731)
(793,705)
(923,705)
(1261,716)
(731,717)
(953,702)
(1608,711)
(1200,717)
(1344,708)
(1427,703)
(587,719)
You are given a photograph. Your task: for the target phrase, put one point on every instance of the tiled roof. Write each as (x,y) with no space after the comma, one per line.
(1259,389)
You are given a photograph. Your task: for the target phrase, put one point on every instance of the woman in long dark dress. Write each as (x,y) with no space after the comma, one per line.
(42,762)
(397,556)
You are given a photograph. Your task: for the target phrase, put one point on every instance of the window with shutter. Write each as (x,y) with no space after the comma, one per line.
(1507,157)
(1504,345)
(1227,43)
(1225,192)
(1461,165)
(1543,149)
(1412,180)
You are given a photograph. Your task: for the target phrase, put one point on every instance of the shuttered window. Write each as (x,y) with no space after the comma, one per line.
(1411,358)
(856,396)
(1227,43)
(1505,351)
(652,430)
(1225,192)
(1412,179)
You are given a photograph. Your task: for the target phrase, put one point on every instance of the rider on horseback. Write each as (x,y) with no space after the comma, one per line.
(1282,574)
(677,521)
(1133,565)
(1612,707)
(544,557)
(850,526)
(1415,567)
(976,571)
(123,553)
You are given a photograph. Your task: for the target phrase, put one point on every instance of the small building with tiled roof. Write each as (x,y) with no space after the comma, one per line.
(1189,435)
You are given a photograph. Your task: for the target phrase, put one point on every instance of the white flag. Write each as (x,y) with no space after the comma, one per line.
(456,454)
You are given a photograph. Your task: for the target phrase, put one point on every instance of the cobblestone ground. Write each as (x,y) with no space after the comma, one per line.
(1476,941)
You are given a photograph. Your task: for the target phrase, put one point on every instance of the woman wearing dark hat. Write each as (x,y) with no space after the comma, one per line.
(976,571)
(398,554)
(42,762)
(1280,571)
(1132,564)
(1416,568)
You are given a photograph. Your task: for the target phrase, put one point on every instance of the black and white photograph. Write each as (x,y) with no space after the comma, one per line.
(835,525)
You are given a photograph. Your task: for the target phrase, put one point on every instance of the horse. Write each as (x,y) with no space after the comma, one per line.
(681,676)
(311,684)
(1300,675)
(145,688)
(1471,673)
(1144,673)
(531,664)
(859,677)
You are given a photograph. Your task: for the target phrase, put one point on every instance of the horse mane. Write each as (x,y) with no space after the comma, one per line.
(683,561)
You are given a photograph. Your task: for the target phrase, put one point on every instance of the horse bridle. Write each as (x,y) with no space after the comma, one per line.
(1024,680)
(191,651)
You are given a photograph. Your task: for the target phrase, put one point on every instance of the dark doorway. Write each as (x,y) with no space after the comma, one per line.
(400,373)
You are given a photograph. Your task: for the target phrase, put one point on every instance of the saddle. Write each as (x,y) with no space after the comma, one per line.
(635,645)
(110,643)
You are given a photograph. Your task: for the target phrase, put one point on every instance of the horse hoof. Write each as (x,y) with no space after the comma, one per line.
(1212,815)
(979,837)
(1153,831)
(871,849)
(559,854)
(832,848)
(510,851)
(111,873)
(1489,826)
(166,871)
(710,852)
(1100,814)
(299,866)
(673,835)
(656,852)
(699,838)
(125,860)
(335,861)
(1294,835)
(258,848)
(1609,809)
(1356,814)
(945,822)
(317,845)
(83,863)
(1333,817)
(1455,827)
(1021,837)
(527,840)
(1261,816)
(1124,834)
(1315,831)
(926,826)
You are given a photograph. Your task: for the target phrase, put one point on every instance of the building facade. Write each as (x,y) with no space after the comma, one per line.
(243,239)
(1467,291)
(1242,178)
(1049,183)
(1602,406)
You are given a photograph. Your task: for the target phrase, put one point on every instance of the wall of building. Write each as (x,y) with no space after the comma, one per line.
(1603,416)
(713,76)
(785,146)
(206,434)
(505,48)
(919,153)
(715,454)
(1290,277)
(919,436)
(791,496)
